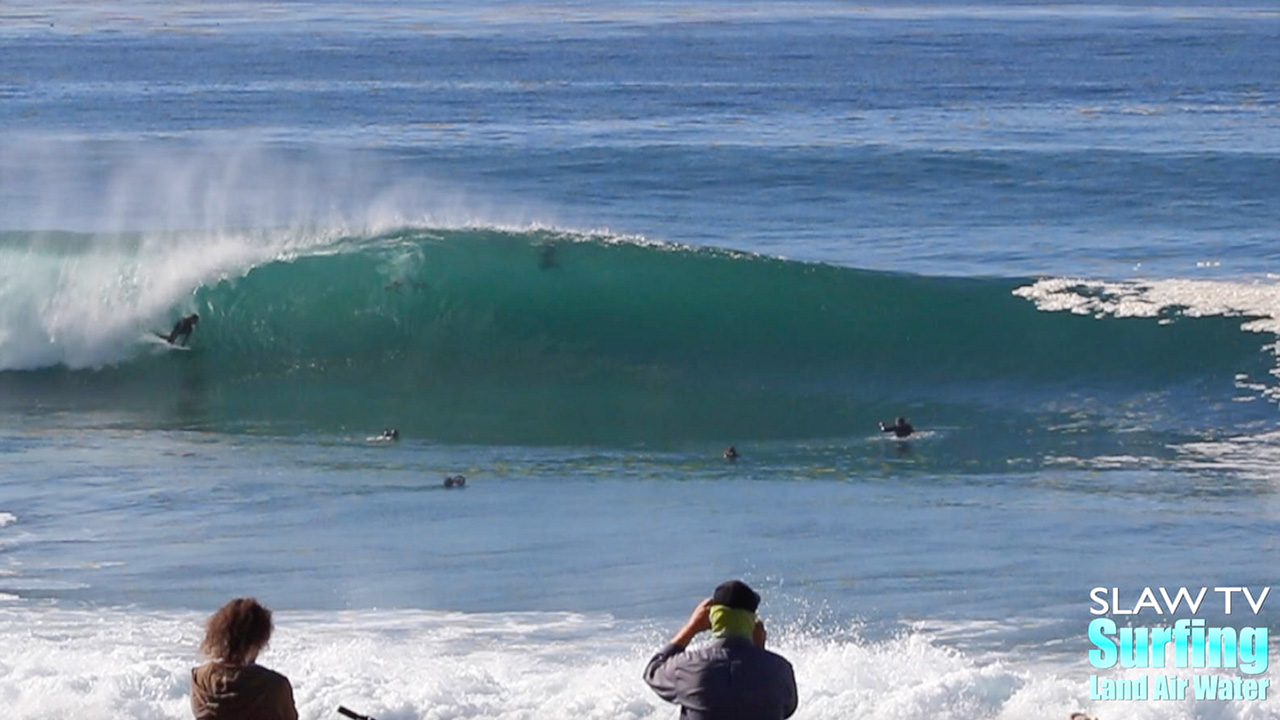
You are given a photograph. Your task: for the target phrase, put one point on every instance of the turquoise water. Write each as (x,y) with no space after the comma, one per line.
(574,252)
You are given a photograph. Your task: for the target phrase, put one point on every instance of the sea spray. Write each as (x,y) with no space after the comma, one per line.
(412,665)
(86,301)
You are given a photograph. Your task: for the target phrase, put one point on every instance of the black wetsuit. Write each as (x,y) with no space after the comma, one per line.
(183,329)
(899,429)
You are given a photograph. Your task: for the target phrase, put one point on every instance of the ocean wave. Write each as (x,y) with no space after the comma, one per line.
(530,335)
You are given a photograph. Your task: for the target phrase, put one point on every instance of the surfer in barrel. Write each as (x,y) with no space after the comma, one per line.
(182,329)
(900,428)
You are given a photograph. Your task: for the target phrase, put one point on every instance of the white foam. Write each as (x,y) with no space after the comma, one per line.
(410,665)
(1257,300)
(1253,456)
(7,518)
(1101,462)
(1154,298)
(157,225)
(91,309)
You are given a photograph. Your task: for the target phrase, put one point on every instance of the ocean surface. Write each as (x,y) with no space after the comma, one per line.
(572,251)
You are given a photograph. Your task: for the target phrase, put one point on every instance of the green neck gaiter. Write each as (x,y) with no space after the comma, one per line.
(730,622)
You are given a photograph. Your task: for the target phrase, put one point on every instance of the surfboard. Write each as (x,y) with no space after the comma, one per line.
(162,340)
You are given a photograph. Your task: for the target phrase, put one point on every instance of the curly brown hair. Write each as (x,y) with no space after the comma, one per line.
(237,632)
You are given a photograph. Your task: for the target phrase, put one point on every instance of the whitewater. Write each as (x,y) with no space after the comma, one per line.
(572,253)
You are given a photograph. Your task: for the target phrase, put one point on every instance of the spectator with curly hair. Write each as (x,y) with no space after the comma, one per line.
(232,685)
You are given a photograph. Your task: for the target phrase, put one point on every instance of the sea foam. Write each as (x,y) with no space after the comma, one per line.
(412,665)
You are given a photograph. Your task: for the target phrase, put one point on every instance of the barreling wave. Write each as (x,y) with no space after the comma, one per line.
(493,335)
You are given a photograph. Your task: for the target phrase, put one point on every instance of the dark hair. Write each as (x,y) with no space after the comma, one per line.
(237,632)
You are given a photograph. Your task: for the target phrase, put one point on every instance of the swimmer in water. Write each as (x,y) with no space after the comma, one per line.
(900,428)
(731,454)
